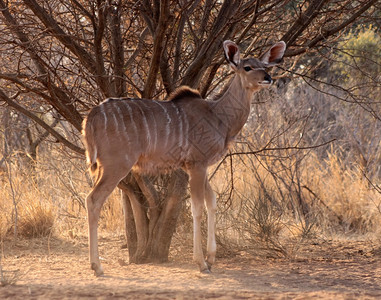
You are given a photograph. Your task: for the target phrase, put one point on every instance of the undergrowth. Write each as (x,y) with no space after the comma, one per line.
(262,209)
(269,201)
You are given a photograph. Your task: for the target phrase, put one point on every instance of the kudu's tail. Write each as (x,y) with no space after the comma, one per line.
(91,149)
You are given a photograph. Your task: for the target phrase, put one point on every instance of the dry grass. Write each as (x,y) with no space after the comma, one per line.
(265,215)
(8,277)
(36,220)
(259,215)
(269,202)
(348,203)
(273,201)
(112,214)
(37,206)
(29,212)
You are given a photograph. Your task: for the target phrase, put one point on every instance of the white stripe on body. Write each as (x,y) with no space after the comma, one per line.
(145,125)
(130,113)
(105,101)
(132,121)
(167,125)
(181,135)
(154,128)
(103,112)
(121,119)
(114,118)
(185,133)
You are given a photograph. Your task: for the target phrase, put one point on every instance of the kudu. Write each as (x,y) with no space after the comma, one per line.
(185,131)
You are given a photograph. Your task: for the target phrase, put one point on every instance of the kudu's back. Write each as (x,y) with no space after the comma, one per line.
(148,134)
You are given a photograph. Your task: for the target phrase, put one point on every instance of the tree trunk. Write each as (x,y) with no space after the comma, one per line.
(151,216)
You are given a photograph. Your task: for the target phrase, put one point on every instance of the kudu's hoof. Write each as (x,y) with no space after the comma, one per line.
(206,271)
(209,267)
(98,270)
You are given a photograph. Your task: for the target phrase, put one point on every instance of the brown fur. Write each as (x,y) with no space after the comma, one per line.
(185,131)
(88,140)
(184,92)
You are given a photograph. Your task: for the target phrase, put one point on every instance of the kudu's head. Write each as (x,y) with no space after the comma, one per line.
(252,71)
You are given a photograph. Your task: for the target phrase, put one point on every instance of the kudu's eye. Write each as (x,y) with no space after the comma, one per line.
(247,69)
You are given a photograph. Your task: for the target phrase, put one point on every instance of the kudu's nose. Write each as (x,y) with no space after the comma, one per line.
(268,78)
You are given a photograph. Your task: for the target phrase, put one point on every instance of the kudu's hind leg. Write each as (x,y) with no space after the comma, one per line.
(197,187)
(106,183)
(211,206)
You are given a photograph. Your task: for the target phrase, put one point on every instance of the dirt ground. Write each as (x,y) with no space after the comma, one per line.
(59,269)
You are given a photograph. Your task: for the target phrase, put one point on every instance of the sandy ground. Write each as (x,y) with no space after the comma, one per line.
(59,269)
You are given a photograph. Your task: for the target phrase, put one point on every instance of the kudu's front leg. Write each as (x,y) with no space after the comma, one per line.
(197,187)
(93,211)
(211,206)
(94,202)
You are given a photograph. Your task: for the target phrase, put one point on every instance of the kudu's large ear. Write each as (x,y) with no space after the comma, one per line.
(274,55)
(232,53)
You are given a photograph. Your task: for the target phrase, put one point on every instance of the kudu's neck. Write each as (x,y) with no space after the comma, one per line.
(233,107)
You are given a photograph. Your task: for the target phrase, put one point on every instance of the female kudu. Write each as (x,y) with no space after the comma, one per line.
(185,131)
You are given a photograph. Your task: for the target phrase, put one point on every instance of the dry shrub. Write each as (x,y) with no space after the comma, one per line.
(348,204)
(111,218)
(9,277)
(51,196)
(270,217)
(35,220)
(271,207)
(258,217)
(6,209)
(28,209)
(4,223)
(268,202)
(28,214)
(273,200)
(237,195)
(263,226)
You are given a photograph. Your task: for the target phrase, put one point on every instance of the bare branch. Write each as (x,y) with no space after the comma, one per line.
(327,32)
(238,153)
(303,21)
(40,122)
(66,39)
(157,49)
